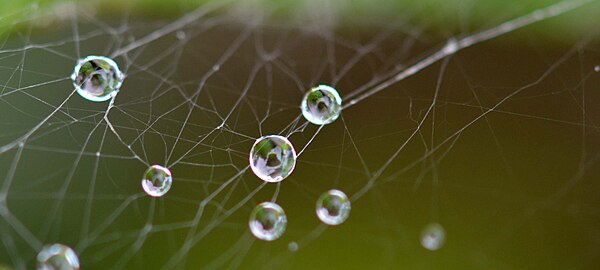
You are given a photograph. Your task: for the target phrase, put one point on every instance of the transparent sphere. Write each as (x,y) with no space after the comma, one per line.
(57,257)
(321,105)
(333,207)
(433,236)
(293,246)
(267,221)
(97,78)
(157,181)
(272,158)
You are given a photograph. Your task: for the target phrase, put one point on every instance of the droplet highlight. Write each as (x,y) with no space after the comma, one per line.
(157,181)
(433,236)
(97,78)
(333,207)
(57,257)
(267,221)
(321,105)
(272,158)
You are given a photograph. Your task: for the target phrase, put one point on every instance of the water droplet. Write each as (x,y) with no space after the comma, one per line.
(97,78)
(321,105)
(180,35)
(293,246)
(157,181)
(57,257)
(451,46)
(433,236)
(272,158)
(333,207)
(267,221)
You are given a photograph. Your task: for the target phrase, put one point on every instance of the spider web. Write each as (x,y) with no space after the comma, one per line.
(498,145)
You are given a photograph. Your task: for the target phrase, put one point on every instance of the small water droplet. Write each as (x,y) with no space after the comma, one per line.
(157,181)
(433,236)
(293,246)
(333,207)
(272,158)
(321,105)
(180,35)
(57,257)
(97,78)
(267,221)
(451,46)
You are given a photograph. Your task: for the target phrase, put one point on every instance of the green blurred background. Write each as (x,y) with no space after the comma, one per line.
(446,17)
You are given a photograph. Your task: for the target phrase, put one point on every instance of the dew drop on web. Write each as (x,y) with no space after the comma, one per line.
(157,181)
(97,78)
(272,158)
(321,105)
(267,221)
(433,236)
(57,257)
(333,207)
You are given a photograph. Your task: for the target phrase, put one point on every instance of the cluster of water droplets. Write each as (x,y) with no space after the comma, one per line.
(272,158)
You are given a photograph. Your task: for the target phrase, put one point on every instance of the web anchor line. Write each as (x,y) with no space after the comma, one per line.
(453,46)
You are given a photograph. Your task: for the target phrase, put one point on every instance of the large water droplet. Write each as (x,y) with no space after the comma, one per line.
(272,158)
(321,105)
(157,181)
(333,207)
(433,236)
(267,221)
(57,257)
(97,78)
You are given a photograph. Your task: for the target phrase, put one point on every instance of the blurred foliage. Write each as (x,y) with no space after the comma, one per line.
(445,17)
